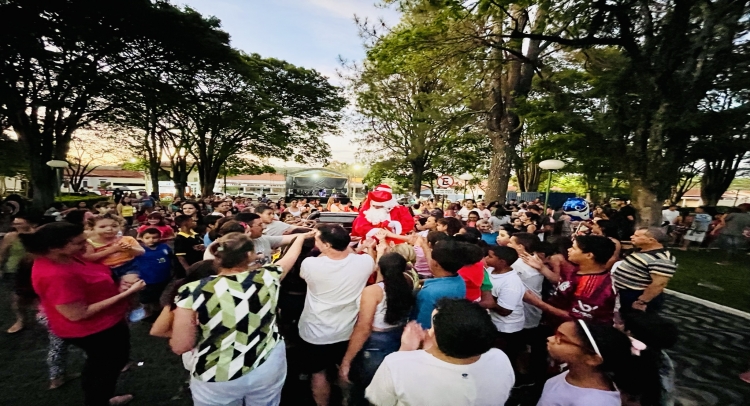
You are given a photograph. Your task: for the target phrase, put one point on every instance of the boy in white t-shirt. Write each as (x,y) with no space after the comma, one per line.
(457,366)
(507,311)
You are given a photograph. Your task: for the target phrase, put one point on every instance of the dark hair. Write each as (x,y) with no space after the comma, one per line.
(197,271)
(609,228)
(472,234)
(198,207)
(470,200)
(453,255)
(527,240)
(634,375)
(284,215)
(231,250)
(434,236)
(76,216)
(210,220)
(157,215)
(545,247)
(398,291)
(229,227)
(507,254)
(50,236)
(246,218)
(151,231)
(475,213)
(453,225)
(261,208)
(182,219)
(462,329)
(601,247)
(658,334)
(334,234)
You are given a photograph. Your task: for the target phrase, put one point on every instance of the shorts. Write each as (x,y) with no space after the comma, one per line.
(320,357)
(152,292)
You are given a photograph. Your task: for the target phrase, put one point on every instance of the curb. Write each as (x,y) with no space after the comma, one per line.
(709,304)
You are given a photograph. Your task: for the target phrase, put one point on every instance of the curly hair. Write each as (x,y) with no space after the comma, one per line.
(90,223)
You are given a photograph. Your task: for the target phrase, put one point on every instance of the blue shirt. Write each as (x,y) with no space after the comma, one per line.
(433,290)
(206,240)
(155,265)
(490,238)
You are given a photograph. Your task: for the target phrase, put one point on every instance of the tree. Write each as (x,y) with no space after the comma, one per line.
(89,151)
(673,55)
(409,117)
(60,62)
(261,107)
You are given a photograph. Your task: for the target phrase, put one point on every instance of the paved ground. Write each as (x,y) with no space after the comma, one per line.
(714,348)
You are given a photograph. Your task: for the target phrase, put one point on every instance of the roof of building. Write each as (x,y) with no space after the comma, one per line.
(115,173)
(265,176)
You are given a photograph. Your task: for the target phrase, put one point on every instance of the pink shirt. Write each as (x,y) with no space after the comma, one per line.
(80,281)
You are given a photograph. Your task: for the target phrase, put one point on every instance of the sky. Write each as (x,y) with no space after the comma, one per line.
(309,33)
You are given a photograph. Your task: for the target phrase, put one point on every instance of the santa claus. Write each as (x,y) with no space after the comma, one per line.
(381,211)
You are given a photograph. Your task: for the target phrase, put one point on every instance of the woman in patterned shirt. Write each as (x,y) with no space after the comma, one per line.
(240,354)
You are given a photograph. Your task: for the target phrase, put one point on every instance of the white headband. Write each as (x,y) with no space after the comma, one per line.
(590,337)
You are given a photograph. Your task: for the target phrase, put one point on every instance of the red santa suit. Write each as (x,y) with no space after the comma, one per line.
(398,219)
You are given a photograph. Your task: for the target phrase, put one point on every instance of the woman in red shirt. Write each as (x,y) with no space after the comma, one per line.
(83,305)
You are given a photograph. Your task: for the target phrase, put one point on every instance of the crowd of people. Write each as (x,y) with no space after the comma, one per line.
(461,306)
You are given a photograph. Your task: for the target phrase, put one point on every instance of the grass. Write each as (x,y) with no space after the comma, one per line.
(699,275)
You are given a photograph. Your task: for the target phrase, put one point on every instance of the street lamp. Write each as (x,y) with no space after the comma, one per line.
(550,165)
(466,177)
(58,166)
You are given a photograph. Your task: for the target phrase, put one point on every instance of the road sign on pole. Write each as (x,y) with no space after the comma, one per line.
(445,181)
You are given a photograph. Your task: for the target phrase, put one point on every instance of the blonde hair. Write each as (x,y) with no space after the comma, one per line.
(406,251)
(91,222)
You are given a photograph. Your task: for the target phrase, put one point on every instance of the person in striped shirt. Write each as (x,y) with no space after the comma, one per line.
(640,279)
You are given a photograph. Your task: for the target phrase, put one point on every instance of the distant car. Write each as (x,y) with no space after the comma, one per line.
(248,194)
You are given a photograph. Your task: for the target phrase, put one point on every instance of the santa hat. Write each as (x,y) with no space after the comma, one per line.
(382,195)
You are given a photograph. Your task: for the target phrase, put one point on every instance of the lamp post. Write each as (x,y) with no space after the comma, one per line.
(466,177)
(58,166)
(550,165)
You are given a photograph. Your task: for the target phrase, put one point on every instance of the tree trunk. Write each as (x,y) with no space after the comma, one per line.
(717,177)
(208,176)
(647,204)
(502,157)
(417,171)
(43,180)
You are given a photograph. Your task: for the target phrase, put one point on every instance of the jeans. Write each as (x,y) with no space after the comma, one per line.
(107,352)
(629,296)
(367,361)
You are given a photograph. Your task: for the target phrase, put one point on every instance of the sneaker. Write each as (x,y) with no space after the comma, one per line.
(137,315)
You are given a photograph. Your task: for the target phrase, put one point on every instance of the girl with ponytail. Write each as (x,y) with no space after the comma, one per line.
(602,363)
(384,309)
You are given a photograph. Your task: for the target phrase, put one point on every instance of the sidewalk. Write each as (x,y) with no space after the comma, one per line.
(714,348)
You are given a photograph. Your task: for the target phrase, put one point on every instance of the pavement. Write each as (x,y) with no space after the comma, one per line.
(713,349)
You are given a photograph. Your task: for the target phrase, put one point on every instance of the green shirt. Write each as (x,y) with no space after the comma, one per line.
(237,317)
(486,283)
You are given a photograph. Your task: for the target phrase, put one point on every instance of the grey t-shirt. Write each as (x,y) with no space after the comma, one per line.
(736,223)
(558,392)
(276,228)
(265,245)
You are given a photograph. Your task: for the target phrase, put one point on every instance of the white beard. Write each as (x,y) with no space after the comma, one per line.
(377,216)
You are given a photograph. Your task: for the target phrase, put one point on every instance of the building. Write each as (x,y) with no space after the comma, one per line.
(730,198)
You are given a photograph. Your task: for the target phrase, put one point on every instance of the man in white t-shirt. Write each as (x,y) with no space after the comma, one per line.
(335,281)
(457,366)
(508,290)
(669,215)
(468,208)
